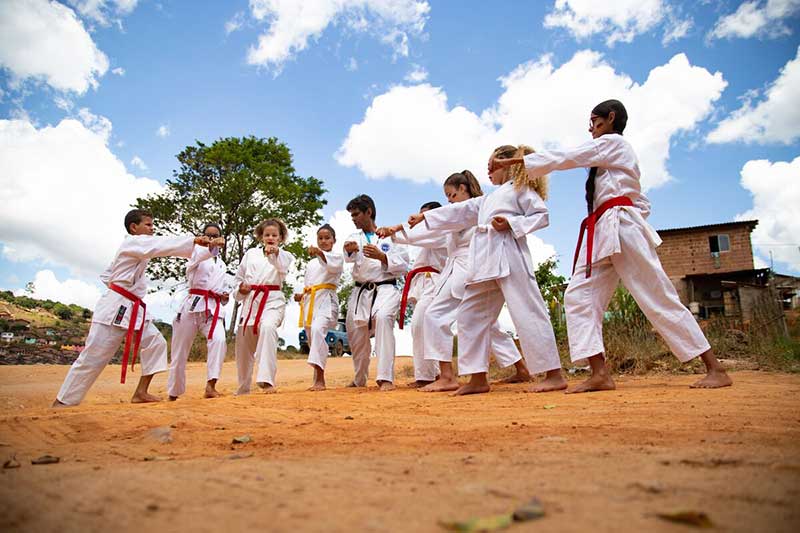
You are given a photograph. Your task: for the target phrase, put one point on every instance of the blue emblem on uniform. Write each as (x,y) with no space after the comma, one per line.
(385,247)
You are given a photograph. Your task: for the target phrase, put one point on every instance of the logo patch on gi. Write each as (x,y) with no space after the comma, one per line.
(385,247)
(120,314)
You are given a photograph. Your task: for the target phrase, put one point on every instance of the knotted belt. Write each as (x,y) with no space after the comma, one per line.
(214,296)
(371,286)
(312,290)
(259,289)
(587,226)
(137,302)
(401,318)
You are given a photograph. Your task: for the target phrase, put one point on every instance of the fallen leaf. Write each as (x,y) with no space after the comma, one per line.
(45,460)
(549,406)
(244,439)
(530,511)
(483,523)
(12,463)
(691,518)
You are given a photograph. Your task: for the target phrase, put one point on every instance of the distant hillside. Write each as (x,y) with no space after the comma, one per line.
(39,330)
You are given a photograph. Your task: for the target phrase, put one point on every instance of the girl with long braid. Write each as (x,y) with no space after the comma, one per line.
(619,245)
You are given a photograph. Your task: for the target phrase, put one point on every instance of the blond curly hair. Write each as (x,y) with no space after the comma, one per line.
(518,173)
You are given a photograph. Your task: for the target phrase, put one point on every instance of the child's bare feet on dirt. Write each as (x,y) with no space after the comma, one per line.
(144,397)
(553,381)
(715,379)
(441,385)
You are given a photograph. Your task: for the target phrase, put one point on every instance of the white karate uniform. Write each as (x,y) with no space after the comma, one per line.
(420,293)
(325,314)
(383,312)
(259,269)
(500,269)
(624,248)
(204,271)
(442,312)
(112,314)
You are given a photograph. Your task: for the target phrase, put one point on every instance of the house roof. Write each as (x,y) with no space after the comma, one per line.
(751,224)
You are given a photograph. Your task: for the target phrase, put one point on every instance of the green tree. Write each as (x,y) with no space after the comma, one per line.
(62,311)
(552,286)
(237,183)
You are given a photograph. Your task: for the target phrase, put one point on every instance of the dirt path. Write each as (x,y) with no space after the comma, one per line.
(355,460)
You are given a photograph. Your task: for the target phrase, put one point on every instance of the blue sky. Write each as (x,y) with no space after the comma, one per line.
(387,98)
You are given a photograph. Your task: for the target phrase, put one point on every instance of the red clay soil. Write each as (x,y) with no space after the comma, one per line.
(362,460)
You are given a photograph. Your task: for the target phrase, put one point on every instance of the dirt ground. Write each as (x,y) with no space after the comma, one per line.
(361,460)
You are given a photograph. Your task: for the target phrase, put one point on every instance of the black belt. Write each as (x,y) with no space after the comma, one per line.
(371,286)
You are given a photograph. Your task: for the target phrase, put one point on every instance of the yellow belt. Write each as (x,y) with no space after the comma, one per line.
(313,291)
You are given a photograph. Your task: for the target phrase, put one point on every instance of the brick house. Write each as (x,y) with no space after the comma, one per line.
(712,268)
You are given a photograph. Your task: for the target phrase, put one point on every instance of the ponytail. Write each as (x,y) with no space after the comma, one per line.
(468,180)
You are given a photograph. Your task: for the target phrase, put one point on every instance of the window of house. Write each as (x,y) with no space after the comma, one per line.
(719,243)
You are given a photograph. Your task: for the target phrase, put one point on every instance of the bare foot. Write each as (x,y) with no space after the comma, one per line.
(596,382)
(352,385)
(144,397)
(554,380)
(419,384)
(441,385)
(211,392)
(519,377)
(317,386)
(267,388)
(715,379)
(472,388)
(172,398)
(386,386)
(59,405)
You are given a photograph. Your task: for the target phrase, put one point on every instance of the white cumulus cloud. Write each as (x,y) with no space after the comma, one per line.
(163,131)
(45,40)
(139,163)
(618,21)
(69,291)
(119,71)
(64,193)
(411,132)
(292,24)
(776,118)
(104,12)
(235,23)
(418,74)
(756,19)
(775,188)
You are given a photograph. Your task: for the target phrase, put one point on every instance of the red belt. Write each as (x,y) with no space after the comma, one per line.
(401,318)
(137,302)
(265,289)
(588,226)
(214,296)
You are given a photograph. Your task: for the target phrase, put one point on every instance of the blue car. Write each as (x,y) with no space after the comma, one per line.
(336,339)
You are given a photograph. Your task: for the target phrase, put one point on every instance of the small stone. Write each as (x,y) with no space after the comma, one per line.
(12,463)
(244,439)
(240,455)
(161,434)
(152,507)
(348,417)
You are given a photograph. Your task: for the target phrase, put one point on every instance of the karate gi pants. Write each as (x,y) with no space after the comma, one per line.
(262,348)
(424,369)
(640,270)
(324,318)
(478,313)
(184,329)
(101,345)
(384,314)
(440,316)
